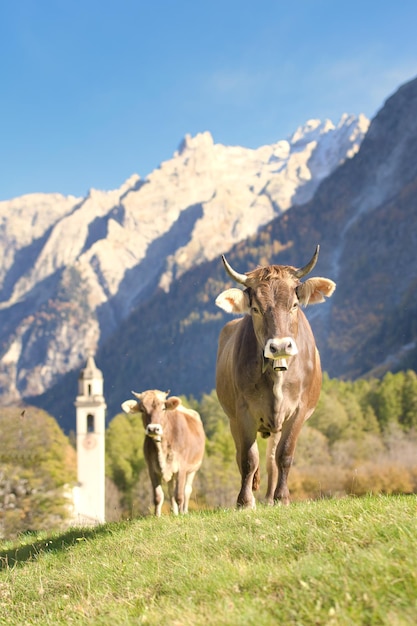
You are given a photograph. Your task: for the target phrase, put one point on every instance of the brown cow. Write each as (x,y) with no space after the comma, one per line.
(173,446)
(268,376)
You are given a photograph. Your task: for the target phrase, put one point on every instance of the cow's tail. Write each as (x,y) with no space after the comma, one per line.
(256,480)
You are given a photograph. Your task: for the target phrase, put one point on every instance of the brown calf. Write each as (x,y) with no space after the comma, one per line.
(173,446)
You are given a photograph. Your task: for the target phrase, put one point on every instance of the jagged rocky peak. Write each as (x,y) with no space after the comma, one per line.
(37,209)
(279,151)
(200,140)
(130,184)
(354,126)
(361,122)
(310,131)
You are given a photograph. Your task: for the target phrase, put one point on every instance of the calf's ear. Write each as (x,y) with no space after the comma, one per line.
(233,301)
(315,290)
(130,406)
(172,403)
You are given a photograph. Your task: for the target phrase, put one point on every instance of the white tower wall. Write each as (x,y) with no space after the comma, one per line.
(89,496)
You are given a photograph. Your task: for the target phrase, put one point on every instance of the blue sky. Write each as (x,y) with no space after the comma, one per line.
(93,91)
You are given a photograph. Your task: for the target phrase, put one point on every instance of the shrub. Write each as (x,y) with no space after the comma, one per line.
(372,478)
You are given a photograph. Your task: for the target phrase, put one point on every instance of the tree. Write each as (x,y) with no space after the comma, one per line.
(388,399)
(124,454)
(408,417)
(330,417)
(211,413)
(37,467)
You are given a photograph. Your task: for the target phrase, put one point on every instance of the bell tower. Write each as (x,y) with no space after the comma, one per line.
(90,409)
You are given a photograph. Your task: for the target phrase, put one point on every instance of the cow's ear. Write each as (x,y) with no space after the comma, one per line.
(315,290)
(233,301)
(172,403)
(130,406)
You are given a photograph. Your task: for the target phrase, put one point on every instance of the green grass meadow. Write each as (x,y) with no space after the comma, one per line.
(351,561)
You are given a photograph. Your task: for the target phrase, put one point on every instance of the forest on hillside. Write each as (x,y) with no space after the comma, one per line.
(361,439)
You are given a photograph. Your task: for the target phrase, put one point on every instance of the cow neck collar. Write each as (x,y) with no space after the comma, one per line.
(277,365)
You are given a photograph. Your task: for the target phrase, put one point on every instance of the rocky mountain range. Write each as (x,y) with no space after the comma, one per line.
(74,269)
(364,216)
(157,325)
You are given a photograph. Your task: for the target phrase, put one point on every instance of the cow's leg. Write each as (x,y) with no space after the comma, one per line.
(250,465)
(172,492)
(236,437)
(284,455)
(247,457)
(180,491)
(188,489)
(158,493)
(249,468)
(271,466)
(158,499)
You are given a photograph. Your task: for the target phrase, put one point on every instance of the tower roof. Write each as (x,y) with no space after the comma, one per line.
(90,370)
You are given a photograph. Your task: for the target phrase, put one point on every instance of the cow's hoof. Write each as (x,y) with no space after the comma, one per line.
(244,504)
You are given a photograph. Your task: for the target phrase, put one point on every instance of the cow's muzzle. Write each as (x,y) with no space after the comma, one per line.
(278,350)
(154,431)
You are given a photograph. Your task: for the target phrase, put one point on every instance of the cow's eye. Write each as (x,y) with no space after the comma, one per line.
(295,305)
(255,309)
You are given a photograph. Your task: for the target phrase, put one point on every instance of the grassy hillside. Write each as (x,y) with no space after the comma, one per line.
(341,562)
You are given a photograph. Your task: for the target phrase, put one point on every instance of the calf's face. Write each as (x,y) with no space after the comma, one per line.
(152,406)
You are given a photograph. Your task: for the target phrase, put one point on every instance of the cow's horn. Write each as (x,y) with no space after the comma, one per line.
(137,395)
(303,271)
(239,278)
